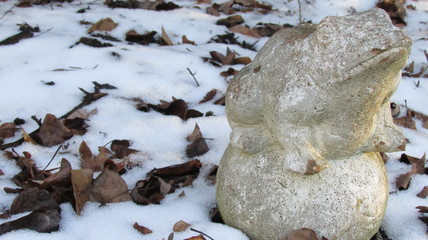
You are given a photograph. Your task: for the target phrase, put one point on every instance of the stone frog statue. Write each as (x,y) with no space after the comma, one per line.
(309,116)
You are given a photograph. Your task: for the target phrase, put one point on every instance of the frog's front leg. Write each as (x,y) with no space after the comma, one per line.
(250,138)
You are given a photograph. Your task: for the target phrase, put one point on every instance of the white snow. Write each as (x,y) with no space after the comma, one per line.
(155,73)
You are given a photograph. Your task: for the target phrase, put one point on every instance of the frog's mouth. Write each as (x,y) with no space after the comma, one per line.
(382,59)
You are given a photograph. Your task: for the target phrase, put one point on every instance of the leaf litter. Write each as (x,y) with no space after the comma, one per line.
(79,186)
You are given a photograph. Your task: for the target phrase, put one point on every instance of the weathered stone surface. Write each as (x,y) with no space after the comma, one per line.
(308,117)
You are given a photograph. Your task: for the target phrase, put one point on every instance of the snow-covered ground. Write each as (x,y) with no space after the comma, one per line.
(154,73)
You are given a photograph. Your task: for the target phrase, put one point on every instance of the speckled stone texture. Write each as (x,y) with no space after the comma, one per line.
(309,116)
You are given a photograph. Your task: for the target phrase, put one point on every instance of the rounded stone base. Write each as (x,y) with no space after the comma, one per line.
(257,195)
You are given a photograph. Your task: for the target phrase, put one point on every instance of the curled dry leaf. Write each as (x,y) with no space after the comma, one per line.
(422,209)
(81,180)
(163,181)
(142,229)
(7,130)
(180,226)
(109,187)
(52,132)
(106,24)
(302,234)
(31,199)
(45,219)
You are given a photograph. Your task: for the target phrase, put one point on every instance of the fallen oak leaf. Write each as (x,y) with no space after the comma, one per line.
(229,72)
(402,181)
(406,121)
(418,167)
(142,229)
(76,125)
(187,168)
(106,24)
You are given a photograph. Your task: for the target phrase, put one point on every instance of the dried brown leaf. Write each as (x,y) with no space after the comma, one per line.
(186,168)
(302,234)
(166,38)
(180,226)
(230,21)
(423,193)
(142,229)
(242,60)
(197,148)
(213,11)
(52,132)
(106,24)
(121,148)
(195,135)
(245,30)
(402,181)
(422,209)
(7,130)
(184,40)
(395,10)
(81,180)
(109,187)
(210,95)
(85,155)
(30,200)
(406,121)
(221,101)
(229,72)
(62,177)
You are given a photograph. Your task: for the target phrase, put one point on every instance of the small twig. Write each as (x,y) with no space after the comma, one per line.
(192,229)
(193,75)
(49,162)
(38,121)
(300,11)
(9,11)
(43,32)
(417,83)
